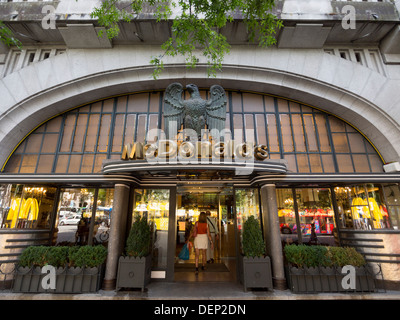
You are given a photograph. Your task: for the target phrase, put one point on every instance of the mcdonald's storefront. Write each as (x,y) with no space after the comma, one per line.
(287,163)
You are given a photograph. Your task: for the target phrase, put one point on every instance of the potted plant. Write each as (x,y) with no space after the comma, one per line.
(254,266)
(319,269)
(134,268)
(78,269)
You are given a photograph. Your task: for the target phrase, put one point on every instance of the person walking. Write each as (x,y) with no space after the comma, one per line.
(201,235)
(213,227)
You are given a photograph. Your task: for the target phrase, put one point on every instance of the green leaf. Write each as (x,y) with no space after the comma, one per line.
(252,240)
(138,243)
(197,28)
(7,36)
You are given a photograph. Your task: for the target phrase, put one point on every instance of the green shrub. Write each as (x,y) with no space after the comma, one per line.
(56,256)
(89,256)
(33,256)
(60,256)
(345,256)
(138,243)
(317,256)
(73,255)
(253,243)
(296,255)
(313,256)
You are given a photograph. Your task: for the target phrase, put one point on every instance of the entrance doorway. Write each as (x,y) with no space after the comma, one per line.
(219,202)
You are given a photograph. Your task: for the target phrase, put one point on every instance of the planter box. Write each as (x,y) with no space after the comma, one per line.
(68,280)
(321,279)
(133,272)
(255,272)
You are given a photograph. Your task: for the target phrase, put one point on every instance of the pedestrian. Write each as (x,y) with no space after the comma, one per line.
(213,227)
(201,235)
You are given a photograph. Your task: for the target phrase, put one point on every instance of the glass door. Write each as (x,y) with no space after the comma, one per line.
(217,203)
(154,204)
(247,204)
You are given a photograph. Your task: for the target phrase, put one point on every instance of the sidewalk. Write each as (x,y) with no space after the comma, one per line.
(200,291)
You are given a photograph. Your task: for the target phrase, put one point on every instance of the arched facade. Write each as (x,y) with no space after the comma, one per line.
(341,87)
(317,113)
(310,140)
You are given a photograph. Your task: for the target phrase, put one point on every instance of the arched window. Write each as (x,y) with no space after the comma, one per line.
(311,140)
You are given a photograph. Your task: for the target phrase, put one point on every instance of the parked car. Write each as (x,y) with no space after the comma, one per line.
(70,220)
(67,211)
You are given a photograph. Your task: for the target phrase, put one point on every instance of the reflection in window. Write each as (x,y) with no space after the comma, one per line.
(286,214)
(362,207)
(154,204)
(26,207)
(104,206)
(392,195)
(247,204)
(74,216)
(313,209)
(315,206)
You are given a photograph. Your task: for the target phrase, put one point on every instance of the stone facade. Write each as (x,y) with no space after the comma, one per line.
(351,73)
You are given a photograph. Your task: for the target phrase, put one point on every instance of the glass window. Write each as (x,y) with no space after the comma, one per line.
(362,207)
(141,130)
(247,204)
(138,102)
(392,196)
(249,123)
(50,143)
(236,102)
(104,133)
(361,163)
(154,204)
(104,206)
(68,131)
(344,163)
(45,164)
(108,105)
(340,142)
(253,103)
(287,136)
(91,134)
(26,207)
(310,132)
(260,125)
(154,102)
(273,140)
(287,215)
(323,136)
(34,143)
(269,103)
(302,163)
(356,143)
(315,163)
(315,211)
(74,216)
(29,162)
(309,139)
(80,130)
(298,133)
(87,163)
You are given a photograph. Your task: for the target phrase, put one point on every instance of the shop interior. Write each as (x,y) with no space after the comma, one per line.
(191,201)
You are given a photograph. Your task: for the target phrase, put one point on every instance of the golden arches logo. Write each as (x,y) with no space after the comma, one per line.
(29,210)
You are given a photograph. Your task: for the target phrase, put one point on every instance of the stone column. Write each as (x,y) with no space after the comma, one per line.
(117,234)
(272,235)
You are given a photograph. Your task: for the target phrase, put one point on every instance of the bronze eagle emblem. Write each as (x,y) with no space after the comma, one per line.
(194,113)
